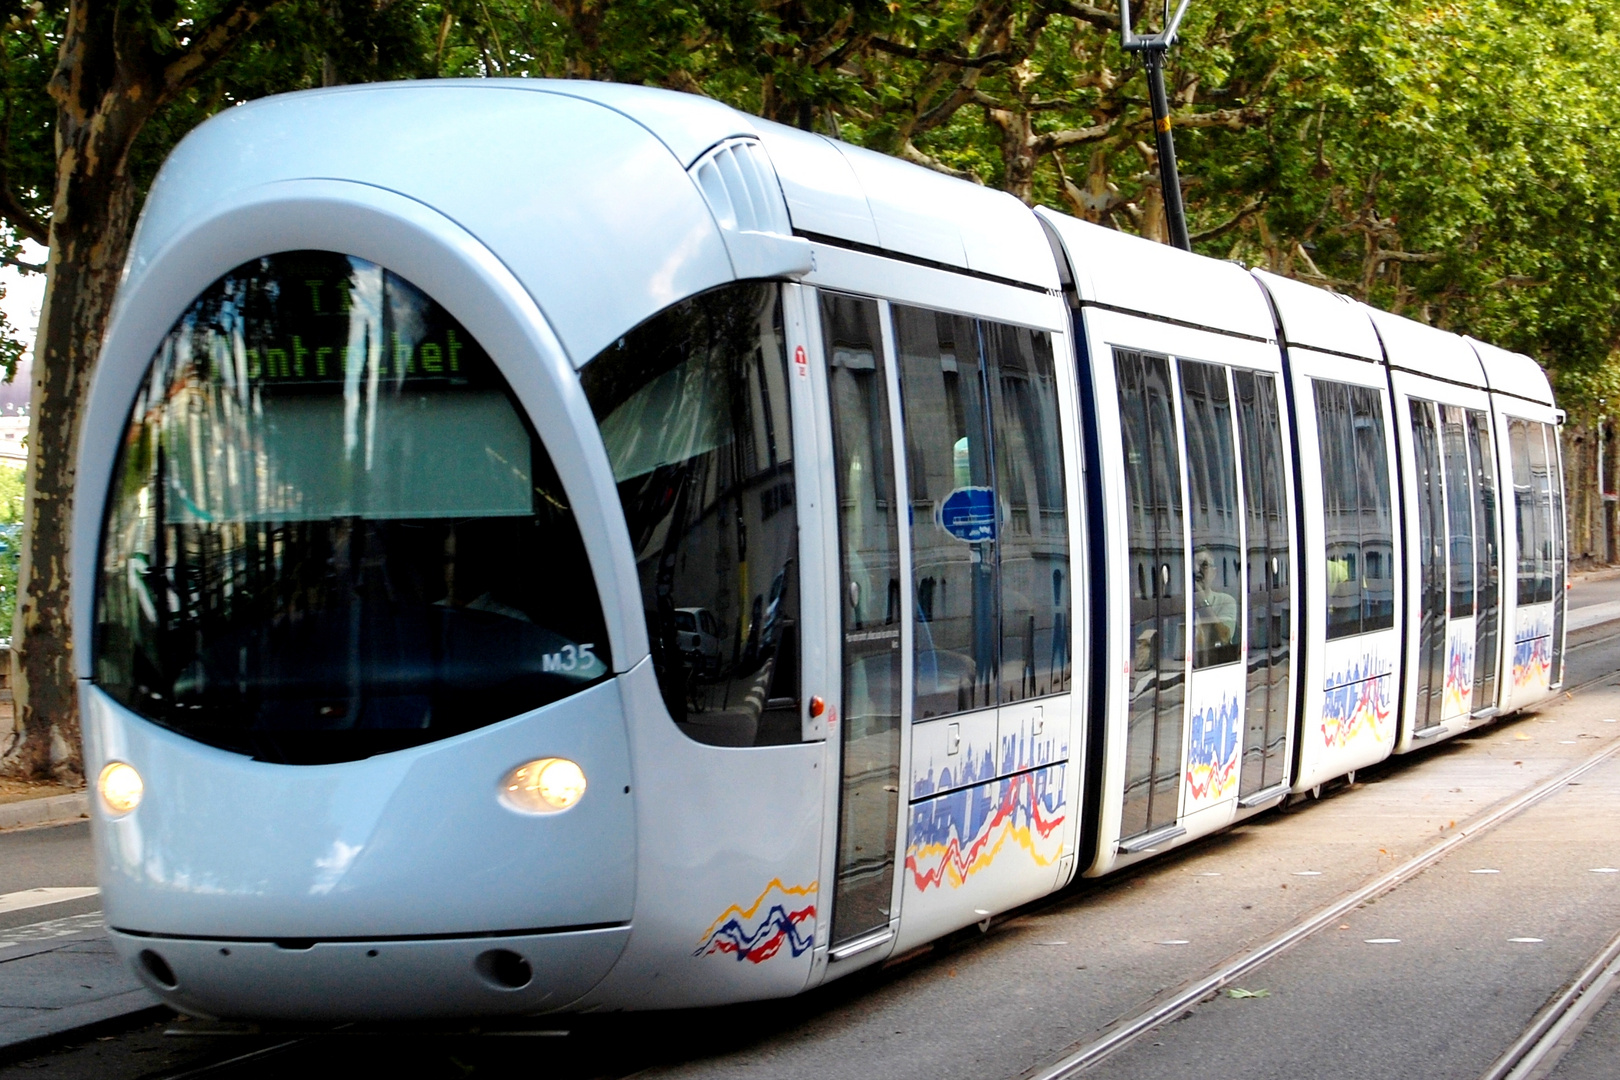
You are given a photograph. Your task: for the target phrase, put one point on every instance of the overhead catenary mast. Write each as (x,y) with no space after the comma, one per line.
(1153,48)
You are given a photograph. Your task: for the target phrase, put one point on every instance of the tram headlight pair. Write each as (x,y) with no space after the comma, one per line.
(543,786)
(120,788)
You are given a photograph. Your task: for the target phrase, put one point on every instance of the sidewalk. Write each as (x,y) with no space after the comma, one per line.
(59,976)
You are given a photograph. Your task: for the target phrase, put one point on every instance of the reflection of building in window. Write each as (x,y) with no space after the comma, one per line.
(693,410)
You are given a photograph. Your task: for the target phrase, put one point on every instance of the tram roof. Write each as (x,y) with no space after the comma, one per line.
(594,214)
(1426,350)
(1117,270)
(1513,373)
(846,193)
(1314,318)
(852,194)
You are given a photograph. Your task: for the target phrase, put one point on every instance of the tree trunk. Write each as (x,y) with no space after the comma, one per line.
(100,109)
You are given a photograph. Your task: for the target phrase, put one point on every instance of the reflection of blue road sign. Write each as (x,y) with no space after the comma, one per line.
(969,513)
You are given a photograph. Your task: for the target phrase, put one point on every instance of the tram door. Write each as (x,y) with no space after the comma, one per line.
(1156,523)
(1269,527)
(1488,560)
(869,574)
(1431,566)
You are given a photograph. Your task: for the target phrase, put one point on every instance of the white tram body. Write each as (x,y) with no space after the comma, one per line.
(874,553)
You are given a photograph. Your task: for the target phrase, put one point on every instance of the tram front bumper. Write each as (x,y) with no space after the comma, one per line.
(378,980)
(400,885)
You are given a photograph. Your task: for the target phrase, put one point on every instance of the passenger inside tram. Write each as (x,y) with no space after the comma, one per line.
(1215,611)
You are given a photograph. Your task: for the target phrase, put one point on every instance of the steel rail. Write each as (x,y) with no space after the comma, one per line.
(239,1059)
(1555,1029)
(1156,1014)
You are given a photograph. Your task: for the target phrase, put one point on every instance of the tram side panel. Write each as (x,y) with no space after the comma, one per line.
(1353,602)
(1195,534)
(948,404)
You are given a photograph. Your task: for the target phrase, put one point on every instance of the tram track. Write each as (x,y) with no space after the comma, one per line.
(236,1060)
(1553,1031)
(1167,1008)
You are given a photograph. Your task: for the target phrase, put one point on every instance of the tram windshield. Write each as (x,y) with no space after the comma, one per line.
(331,532)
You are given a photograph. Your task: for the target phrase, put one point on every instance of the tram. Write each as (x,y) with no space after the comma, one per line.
(571,546)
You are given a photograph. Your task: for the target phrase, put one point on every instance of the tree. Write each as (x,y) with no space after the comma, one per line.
(118,64)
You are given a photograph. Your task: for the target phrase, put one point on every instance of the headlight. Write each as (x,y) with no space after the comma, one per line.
(544,786)
(120,787)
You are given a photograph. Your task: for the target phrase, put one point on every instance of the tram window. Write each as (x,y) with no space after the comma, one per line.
(1526,521)
(1034,546)
(1340,509)
(1459,509)
(990,533)
(1213,512)
(1270,594)
(331,532)
(1558,553)
(693,409)
(1357,515)
(1541,479)
(954,560)
(1487,567)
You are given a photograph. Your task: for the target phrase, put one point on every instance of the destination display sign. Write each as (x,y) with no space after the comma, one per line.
(315,318)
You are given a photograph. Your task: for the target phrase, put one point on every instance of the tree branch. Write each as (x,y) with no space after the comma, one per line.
(1101,18)
(18,217)
(938,56)
(909,152)
(1231,119)
(1237,219)
(27,267)
(1382,255)
(1061,140)
(214,37)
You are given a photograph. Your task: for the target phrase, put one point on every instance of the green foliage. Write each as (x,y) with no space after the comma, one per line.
(1451,161)
(11,516)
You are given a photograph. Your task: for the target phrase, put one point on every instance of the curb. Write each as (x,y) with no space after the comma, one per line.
(51,810)
(78,1021)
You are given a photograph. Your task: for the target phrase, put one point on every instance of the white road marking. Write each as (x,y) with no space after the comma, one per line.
(55,928)
(31,898)
(1382,940)
(1484,871)
(1605,870)
(1307,873)
(1176,941)
(1525,940)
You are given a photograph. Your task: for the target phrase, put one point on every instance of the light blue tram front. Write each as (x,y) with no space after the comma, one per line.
(378,566)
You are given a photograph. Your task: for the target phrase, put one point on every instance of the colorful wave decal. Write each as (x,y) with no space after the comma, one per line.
(956,835)
(1355,701)
(973,765)
(1459,677)
(1212,751)
(742,933)
(1532,662)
